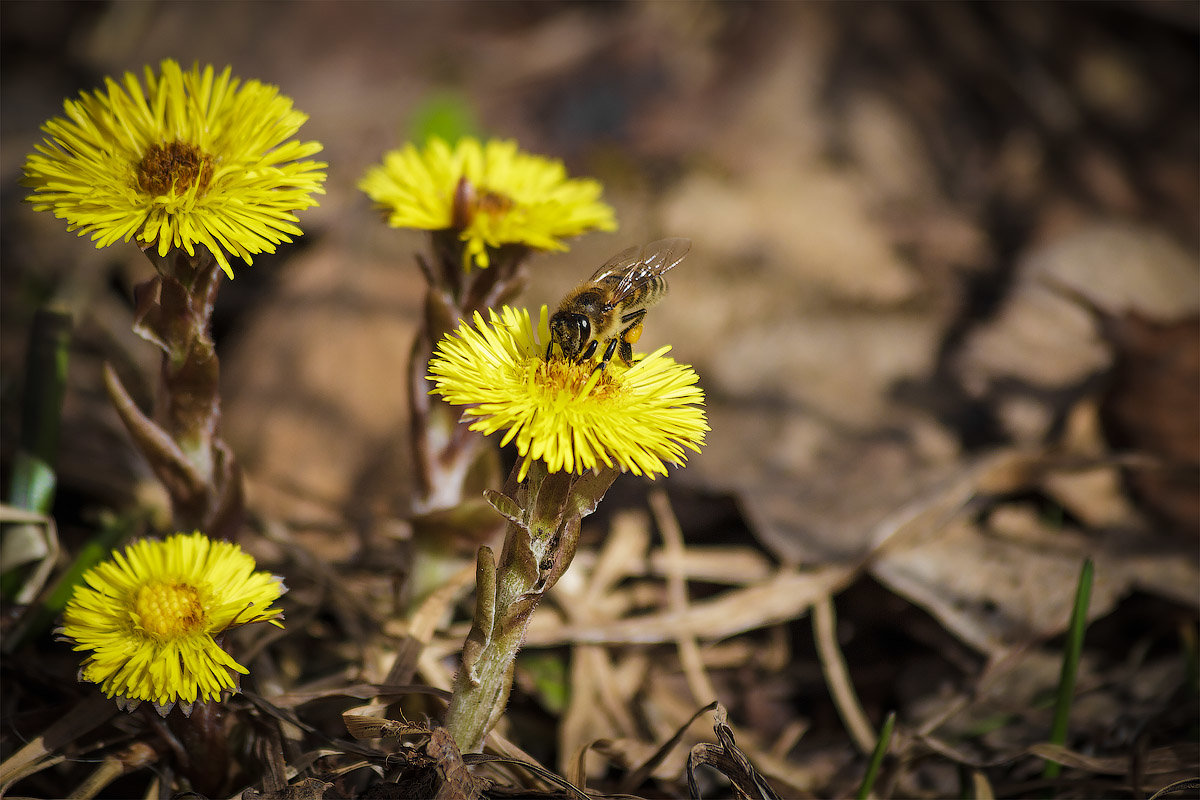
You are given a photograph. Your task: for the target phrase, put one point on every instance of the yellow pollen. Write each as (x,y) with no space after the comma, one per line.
(174,166)
(568,378)
(169,609)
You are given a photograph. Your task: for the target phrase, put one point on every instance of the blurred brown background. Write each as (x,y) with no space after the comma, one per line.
(863,184)
(943,290)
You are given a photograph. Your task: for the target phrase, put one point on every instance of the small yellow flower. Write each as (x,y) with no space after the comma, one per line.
(566,413)
(150,615)
(191,159)
(492,193)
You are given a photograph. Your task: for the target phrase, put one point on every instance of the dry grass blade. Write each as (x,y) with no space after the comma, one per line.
(788,594)
(32,538)
(600,700)
(364,727)
(689,651)
(729,760)
(108,771)
(1176,787)
(134,757)
(89,713)
(288,717)
(544,775)
(358,691)
(981,788)
(837,677)
(505,752)
(1158,761)
(720,565)
(423,624)
(639,775)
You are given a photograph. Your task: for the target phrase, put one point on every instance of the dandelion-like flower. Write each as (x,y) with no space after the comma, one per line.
(150,616)
(492,194)
(189,158)
(567,413)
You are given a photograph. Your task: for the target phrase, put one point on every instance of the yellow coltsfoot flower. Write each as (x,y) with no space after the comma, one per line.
(491,193)
(177,160)
(567,413)
(150,617)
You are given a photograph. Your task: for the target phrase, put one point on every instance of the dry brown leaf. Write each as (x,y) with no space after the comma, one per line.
(838,366)
(998,585)
(1158,761)
(839,249)
(1149,408)
(1044,337)
(786,595)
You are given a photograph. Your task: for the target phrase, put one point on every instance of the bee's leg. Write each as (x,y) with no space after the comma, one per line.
(608,352)
(549,348)
(631,334)
(590,350)
(633,330)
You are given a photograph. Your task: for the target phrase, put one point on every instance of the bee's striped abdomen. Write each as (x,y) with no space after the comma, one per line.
(655,290)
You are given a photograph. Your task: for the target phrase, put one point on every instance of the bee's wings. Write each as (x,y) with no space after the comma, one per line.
(634,266)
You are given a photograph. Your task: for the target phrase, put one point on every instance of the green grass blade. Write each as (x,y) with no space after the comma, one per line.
(36,622)
(1070,667)
(881,748)
(33,479)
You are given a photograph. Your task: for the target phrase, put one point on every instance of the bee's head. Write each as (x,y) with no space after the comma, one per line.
(570,332)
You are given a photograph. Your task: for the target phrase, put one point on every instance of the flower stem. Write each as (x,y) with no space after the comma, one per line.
(544,513)
(205,742)
(182,441)
(453,464)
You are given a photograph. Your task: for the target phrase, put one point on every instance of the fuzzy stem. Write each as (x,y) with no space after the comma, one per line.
(181,441)
(204,737)
(452,463)
(544,513)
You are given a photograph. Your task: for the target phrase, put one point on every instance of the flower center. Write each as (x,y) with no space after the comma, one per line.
(174,166)
(470,200)
(169,609)
(492,203)
(566,377)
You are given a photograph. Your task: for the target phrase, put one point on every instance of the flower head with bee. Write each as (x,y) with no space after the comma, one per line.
(179,159)
(490,193)
(567,412)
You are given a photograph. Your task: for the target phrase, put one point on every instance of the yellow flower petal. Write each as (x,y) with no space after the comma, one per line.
(178,159)
(505,196)
(151,613)
(566,413)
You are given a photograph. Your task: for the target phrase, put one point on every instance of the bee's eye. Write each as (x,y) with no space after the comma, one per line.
(585,327)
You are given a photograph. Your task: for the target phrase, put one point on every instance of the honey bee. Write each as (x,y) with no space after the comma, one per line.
(609,307)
